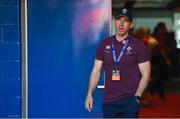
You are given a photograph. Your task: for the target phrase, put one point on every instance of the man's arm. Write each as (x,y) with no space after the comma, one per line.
(145,72)
(93,81)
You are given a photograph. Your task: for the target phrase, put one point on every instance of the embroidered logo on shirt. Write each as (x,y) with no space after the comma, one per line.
(128,50)
(108,47)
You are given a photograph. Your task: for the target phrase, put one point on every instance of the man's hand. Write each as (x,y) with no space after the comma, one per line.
(93,81)
(89,103)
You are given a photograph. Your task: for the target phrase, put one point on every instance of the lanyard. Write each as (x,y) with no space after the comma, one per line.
(116,61)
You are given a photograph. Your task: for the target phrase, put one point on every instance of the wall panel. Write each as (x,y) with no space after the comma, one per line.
(10,95)
(62,41)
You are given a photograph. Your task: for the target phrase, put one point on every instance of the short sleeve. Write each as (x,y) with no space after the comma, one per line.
(143,54)
(99,52)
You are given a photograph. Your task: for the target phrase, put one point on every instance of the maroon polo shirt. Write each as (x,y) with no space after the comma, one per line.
(135,53)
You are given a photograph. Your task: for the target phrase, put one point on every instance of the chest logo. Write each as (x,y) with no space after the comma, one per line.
(129,50)
(108,47)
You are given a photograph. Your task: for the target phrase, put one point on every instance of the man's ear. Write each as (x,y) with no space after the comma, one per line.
(132,25)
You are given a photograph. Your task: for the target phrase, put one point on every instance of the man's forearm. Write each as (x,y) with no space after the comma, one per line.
(94,78)
(142,86)
(145,72)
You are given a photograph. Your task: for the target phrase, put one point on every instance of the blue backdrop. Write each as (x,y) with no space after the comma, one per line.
(62,39)
(10,96)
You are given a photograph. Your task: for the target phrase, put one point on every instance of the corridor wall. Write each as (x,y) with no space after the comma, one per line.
(62,39)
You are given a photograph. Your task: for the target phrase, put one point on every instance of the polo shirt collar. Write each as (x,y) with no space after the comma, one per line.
(123,41)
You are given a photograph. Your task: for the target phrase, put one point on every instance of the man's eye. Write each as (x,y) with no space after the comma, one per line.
(126,20)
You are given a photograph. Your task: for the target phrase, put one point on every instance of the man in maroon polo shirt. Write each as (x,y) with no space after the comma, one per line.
(127,70)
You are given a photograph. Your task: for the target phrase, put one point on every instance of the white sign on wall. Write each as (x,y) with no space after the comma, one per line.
(177,28)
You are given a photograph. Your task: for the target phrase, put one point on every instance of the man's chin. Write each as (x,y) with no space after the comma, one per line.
(121,34)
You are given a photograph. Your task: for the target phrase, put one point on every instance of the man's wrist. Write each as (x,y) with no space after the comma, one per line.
(138,98)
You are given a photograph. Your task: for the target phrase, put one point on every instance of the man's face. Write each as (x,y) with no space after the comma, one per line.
(122,26)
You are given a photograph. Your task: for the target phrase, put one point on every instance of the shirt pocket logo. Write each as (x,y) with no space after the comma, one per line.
(107,49)
(128,50)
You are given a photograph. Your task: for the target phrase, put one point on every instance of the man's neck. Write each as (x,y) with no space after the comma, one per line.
(120,37)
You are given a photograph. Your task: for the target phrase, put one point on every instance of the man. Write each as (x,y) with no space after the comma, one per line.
(160,60)
(127,70)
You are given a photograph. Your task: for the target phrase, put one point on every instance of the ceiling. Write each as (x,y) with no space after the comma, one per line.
(147,4)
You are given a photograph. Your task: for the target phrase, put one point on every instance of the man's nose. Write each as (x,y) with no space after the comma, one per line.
(121,23)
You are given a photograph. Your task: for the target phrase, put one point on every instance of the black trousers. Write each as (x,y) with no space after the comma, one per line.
(160,76)
(126,107)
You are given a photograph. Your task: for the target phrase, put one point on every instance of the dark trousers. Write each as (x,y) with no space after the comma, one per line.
(161,76)
(126,107)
